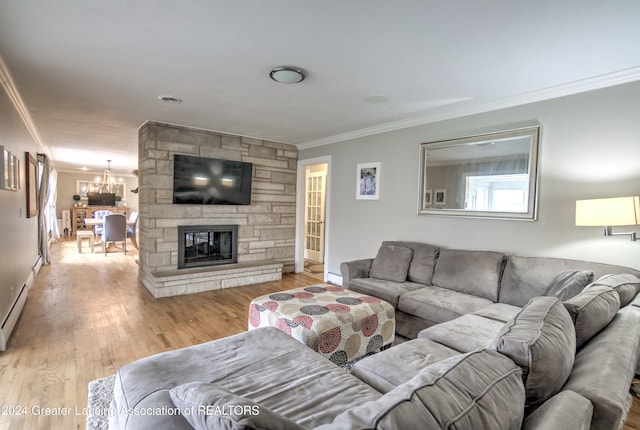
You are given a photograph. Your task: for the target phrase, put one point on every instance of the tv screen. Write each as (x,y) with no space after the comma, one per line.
(101,199)
(209,181)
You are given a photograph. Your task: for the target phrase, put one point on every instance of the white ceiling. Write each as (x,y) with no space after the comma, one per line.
(90,71)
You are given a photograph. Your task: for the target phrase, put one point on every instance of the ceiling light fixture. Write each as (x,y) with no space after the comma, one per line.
(287,75)
(170,99)
(376,98)
(108,180)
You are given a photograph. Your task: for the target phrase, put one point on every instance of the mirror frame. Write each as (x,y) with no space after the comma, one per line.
(426,207)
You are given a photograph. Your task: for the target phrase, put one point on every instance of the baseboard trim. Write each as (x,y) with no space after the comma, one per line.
(10,322)
(334,279)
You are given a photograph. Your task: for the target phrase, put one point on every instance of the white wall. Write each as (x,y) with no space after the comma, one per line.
(18,234)
(590,148)
(67,188)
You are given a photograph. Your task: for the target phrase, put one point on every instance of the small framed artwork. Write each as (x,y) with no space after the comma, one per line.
(428,198)
(9,170)
(368,181)
(440,197)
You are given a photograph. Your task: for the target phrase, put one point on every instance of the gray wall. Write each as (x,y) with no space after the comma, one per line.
(590,148)
(18,234)
(67,188)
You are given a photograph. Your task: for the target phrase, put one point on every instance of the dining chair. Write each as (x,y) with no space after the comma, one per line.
(131,228)
(99,215)
(115,230)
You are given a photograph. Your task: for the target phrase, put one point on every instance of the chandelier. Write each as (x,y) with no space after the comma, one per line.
(108,180)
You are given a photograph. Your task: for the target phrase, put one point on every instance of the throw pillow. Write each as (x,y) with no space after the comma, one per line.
(478,390)
(568,283)
(542,341)
(391,263)
(208,406)
(625,284)
(592,310)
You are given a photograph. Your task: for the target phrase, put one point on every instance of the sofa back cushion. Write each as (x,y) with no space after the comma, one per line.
(592,310)
(472,272)
(478,390)
(423,261)
(569,283)
(391,263)
(528,277)
(625,284)
(542,341)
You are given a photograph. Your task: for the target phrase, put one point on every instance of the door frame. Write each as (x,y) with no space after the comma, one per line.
(310,254)
(300,212)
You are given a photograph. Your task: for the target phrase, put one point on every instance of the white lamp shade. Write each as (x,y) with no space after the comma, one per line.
(608,212)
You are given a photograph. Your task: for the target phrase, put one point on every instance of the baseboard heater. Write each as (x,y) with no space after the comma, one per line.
(10,322)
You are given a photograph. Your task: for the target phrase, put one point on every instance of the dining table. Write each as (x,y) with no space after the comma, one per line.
(91,222)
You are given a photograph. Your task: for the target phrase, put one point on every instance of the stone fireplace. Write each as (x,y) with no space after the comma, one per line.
(265,229)
(207,245)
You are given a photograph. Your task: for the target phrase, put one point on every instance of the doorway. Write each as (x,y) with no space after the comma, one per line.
(311,243)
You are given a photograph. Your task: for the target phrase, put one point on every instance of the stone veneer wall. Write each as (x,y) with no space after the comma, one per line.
(266,228)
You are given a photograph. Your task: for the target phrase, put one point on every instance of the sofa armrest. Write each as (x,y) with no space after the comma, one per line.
(355,269)
(566,410)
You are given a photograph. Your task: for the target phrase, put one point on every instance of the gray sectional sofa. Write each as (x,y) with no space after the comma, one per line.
(492,342)
(456,301)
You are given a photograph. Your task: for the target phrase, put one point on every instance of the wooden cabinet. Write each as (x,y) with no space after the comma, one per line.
(81,212)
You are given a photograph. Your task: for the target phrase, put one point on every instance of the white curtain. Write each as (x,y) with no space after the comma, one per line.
(51,220)
(47,204)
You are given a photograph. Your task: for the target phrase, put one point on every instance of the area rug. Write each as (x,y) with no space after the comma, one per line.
(100,395)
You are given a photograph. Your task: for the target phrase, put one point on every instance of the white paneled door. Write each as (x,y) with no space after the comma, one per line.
(314,215)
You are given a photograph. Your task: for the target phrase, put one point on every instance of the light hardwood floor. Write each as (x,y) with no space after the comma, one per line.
(87,315)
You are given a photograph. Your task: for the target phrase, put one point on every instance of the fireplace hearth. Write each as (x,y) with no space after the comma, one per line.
(207,245)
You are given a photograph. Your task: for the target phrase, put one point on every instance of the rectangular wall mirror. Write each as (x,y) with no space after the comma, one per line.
(490,175)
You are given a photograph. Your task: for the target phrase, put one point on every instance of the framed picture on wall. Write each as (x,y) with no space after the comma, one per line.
(9,170)
(440,197)
(368,181)
(428,197)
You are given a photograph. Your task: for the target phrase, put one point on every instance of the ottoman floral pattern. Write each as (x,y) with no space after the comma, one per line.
(340,324)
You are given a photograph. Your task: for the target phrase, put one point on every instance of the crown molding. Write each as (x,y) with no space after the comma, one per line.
(12,91)
(465,109)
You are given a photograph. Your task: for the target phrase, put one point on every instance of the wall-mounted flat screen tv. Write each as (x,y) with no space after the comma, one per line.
(101,199)
(210,181)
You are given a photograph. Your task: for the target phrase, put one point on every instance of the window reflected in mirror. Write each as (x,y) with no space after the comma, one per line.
(491,175)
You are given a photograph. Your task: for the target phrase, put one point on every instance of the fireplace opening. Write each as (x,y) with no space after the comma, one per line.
(207,245)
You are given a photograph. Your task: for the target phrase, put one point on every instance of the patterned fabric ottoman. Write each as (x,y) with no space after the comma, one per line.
(340,324)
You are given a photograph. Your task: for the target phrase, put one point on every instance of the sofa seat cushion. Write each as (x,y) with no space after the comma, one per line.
(264,365)
(209,407)
(423,261)
(498,311)
(395,366)
(476,273)
(479,390)
(391,263)
(388,291)
(540,339)
(626,285)
(464,334)
(592,310)
(437,304)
